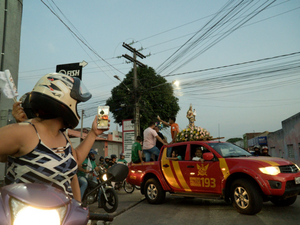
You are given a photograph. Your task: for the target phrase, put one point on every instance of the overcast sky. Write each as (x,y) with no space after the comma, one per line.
(254,98)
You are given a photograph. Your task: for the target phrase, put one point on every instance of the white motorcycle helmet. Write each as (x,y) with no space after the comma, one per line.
(57,95)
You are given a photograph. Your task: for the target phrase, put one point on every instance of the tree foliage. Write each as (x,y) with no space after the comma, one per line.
(155,96)
(233,140)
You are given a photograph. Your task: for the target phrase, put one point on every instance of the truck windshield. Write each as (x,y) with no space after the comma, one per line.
(229,150)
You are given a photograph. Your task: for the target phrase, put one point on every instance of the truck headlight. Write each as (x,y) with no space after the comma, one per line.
(270,170)
(27,215)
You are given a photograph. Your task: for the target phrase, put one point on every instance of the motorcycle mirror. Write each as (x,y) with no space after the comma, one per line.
(119,172)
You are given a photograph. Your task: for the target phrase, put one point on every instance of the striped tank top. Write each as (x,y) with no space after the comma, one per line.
(52,166)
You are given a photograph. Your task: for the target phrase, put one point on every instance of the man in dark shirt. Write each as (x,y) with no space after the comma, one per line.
(158,143)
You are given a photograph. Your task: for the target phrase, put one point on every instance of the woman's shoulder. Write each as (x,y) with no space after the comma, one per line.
(22,129)
(16,126)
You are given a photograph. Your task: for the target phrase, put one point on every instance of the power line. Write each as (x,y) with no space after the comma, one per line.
(80,39)
(232,65)
(223,17)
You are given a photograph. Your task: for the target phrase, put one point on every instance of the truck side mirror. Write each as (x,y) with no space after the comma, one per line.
(208,156)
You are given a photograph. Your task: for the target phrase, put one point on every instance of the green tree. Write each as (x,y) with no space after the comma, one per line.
(233,140)
(155,96)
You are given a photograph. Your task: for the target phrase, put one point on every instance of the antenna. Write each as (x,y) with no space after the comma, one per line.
(219,133)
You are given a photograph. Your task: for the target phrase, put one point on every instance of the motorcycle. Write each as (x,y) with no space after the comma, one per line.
(93,178)
(35,204)
(108,198)
(128,188)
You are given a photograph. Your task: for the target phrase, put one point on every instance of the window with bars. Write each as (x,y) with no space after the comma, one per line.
(290,149)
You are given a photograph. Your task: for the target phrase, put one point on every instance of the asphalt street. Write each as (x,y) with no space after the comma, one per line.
(178,210)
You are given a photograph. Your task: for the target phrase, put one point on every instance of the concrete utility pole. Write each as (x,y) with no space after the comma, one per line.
(135,85)
(10,37)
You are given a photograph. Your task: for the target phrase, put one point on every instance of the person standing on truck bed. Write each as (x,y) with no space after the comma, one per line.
(136,151)
(158,143)
(149,144)
(174,127)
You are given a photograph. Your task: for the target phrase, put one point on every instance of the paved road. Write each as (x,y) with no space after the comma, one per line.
(176,210)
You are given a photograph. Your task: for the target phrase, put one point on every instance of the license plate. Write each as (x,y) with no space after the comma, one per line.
(297,180)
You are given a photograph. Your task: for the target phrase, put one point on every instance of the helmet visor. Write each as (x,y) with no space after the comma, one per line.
(79,92)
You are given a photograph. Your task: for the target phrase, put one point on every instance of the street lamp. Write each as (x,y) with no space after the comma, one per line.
(176,83)
(118,78)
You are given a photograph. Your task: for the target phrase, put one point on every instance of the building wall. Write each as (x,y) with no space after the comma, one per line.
(276,144)
(291,130)
(99,145)
(10,36)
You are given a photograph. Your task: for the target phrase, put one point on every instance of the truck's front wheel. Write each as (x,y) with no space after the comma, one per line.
(246,197)
(154,192)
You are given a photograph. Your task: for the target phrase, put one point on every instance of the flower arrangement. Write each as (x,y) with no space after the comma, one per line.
(193,134)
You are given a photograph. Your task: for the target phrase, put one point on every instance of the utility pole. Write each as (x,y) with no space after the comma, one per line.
(135,85)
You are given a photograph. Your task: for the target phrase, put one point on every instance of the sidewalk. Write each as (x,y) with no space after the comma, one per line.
(126,201)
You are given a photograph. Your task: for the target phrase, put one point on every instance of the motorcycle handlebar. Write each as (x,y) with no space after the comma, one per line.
(104,217)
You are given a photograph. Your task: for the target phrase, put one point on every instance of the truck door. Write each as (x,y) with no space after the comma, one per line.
(204,177)
(173,169)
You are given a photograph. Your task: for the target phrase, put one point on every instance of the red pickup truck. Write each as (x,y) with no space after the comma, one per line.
(228,172)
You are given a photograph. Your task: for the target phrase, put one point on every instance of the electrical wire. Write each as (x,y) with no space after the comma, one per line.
(79,38)
(222,20)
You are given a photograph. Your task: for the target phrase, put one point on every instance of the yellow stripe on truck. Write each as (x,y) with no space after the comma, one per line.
(180,176)
(167,171)
(272,163)
(224,168)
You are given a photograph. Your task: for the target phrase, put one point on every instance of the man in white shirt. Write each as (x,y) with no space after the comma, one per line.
(149,144)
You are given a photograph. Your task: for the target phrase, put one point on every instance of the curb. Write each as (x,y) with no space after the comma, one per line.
(129,207)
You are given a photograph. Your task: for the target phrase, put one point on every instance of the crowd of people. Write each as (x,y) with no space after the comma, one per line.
(89,170)
(152,141)
(264,151)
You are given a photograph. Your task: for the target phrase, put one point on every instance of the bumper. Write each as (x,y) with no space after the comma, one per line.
(291,188)
(283,185)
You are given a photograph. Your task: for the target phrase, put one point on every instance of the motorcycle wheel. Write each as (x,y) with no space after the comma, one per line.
(138,187)
(128,188)
(112,200)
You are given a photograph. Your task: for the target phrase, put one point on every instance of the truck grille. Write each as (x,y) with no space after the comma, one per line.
(288,169)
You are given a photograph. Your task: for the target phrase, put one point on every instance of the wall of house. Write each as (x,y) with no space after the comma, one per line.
(291,131)
(276,143)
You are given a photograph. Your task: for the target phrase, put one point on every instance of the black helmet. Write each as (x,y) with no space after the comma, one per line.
(256,147)
(57,95)
(26,106)
(92,151)
(101,157)
(113,156)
